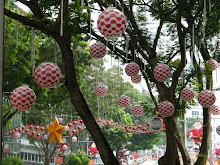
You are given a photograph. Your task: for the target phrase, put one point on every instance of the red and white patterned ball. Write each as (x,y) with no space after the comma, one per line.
(16,135)
(214,109)
(98,50)
(166,109)
(218,130)
(47,75)
(101,91)
(136,79)
(124,101)
(162,72)
(132,69)
(23,98)
(112,23)
(212,63)
(206,98)
(137,110)
(187,94)
(156,123)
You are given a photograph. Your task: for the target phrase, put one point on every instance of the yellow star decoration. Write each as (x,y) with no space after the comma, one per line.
(55,131)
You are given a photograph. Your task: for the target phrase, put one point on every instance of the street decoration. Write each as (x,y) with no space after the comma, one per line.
(196,133)
(213,64)
(187,94)
(136,79)
(132,69)
(206,98)
(23,98)
(47,75)
(166,109)
(156,123)
(101,91)
(55,131)
(124,101)
(111,23)
(214,109)
(17,135)
(162,72)
(74,139)
(98,50)
(93,150)
(218,130)
(137,110)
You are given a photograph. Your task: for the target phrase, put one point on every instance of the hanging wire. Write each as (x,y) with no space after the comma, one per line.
(204,19)
(55,52)
(193,42)
(61,22)
(90,23)
(33,51)
(126,47)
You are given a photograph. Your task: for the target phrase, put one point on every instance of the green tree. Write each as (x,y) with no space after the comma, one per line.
(10,160)
(78,158)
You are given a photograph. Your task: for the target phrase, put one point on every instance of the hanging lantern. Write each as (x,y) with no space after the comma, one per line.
(132,69)
(65,147)
(166,109)
(16,135)
(112,23)
(23,98)
(137,110)
(47,75)
(206,98)
(45,137)
(74,139)
(187,94)
(213,64)
(218,130)
(162,72)
(124,101)
(98,50)
(214,109)
(136,79)
(156,123)
(101,91)
(60,120)
(66,128)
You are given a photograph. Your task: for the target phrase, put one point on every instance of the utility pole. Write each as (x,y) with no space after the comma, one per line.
(2,5)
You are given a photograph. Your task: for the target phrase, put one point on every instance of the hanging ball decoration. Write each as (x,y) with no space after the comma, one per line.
(136,79)
(47,75)
(66,128)
(137,110)
(213,64)
(112,23)
(124,101)
(132,69)
(162,72)
(60,120)
(98,50)
(45,137)
(101,91)
(16,135)
(214,109)
(23,98)
(74,139)
(166,109)
(156,123)
(187,94)
(206,98)
(65,147)
(218,130)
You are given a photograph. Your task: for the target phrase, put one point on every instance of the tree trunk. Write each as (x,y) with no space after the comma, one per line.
(81,106)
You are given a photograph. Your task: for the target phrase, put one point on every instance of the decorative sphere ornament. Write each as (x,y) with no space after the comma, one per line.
(65,147)
(218,130)
(166,109)
(156,123)
(45,137)
(137,110)
(23,98)
(162,72)
(112,23)
(60,120)
(132,69)
(98,50)
(74,139)
(124,101)
(187,94)
(214,109)
(66,128)
(136,79)
(16,135)
(47,75)
(101,91)
(206,98)
(213,64)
